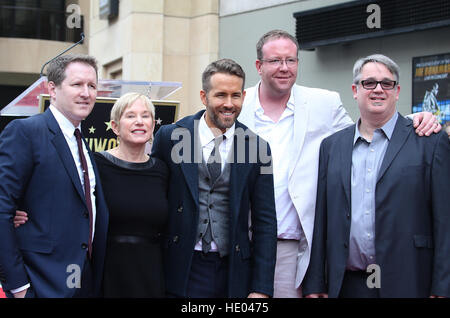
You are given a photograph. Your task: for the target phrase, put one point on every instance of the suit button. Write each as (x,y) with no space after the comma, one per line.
(345,244)
(84,246)
(205,221)
(175,239)
(210,206)
(237,248)
(180,209)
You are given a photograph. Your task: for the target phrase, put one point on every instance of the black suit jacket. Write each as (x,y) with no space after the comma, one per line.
(412,215)
(251,262)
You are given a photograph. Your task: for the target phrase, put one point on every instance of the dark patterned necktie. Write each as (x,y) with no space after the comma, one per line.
(214,166)
(215,161)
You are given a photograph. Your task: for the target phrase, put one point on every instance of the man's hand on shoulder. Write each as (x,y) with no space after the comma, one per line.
(426,124)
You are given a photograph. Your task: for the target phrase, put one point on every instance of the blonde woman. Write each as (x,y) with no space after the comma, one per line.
(135,187)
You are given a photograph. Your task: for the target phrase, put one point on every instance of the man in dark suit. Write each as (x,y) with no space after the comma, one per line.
(46,170)
(382,217)
(220,181)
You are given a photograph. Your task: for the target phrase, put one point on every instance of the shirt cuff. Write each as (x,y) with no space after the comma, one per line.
(18,290)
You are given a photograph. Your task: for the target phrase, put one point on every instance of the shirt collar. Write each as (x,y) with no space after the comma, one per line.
(291,102)
(206,135)
(66,126)
(387,128)
(260,111)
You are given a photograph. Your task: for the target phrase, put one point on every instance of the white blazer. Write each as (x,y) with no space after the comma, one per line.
(318,113)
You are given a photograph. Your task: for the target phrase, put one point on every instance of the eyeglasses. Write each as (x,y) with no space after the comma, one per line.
(372,84)
(279,62)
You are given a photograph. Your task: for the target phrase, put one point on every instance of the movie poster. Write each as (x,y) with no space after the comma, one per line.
(431,85)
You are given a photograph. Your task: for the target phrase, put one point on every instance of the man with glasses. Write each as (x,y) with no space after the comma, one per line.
(382,216)
(294,120)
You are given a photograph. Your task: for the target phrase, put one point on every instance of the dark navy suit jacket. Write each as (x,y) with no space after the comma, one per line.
(38,175)
(251,262)
(412,215)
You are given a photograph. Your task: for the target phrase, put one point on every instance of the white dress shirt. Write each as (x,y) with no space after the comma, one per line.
(207,138)
(68,131)
(280,136)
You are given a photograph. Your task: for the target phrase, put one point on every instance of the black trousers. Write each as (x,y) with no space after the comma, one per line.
(208,276)
(354,285)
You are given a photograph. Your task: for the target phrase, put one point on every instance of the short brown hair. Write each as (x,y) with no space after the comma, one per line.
(56,70)
(225,66)
(273,35)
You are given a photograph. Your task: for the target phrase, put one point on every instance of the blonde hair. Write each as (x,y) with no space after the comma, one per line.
(127,100)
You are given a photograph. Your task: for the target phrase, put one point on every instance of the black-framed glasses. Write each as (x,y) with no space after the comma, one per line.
(291,61)
(372,84)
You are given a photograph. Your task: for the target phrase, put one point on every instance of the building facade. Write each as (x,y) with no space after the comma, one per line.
(174,40)
(330,66)
(158,40)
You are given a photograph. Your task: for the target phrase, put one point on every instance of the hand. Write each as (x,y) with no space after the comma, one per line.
(319,295)
(20,218)
(426,124)
(257,295)
(434,296)
(21,294)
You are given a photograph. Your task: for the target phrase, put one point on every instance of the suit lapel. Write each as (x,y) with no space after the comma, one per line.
(401,132)
(301,114)
(190,168)
(346,150)
(60,144)
(239,171)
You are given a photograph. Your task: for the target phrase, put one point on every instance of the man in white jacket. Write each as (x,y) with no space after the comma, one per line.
(294,120)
